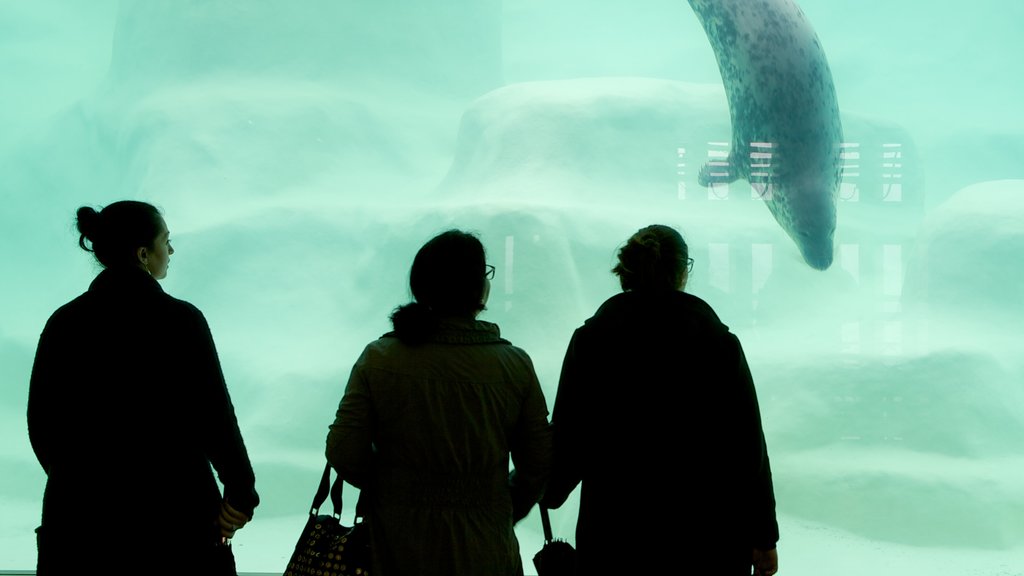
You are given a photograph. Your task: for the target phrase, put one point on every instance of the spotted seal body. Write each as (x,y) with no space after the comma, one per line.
(786,132)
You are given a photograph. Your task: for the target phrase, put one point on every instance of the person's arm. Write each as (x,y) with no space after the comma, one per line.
(230,520)
(224,445)
(349,443)
(766,562)
(567,428)
(763,525)
(41,410)
(530,448)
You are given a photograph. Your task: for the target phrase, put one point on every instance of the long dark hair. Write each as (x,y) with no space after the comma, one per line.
(115,233)
(654,258)
(446,279)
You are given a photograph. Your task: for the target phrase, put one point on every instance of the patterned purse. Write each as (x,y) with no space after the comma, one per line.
(326,547)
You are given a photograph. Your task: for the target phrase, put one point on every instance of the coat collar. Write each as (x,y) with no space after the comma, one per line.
(458,330)
(454,330)
(659,304)
(125,279)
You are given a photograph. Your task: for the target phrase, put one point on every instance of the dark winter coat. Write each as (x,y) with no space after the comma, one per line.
(657,415)
(127,411)
(427,432)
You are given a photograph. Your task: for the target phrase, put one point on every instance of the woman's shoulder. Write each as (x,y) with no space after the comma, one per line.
(452,334)
(177,310)
(67,313)
(455,338)
(697,305)
(515,353)
(386,350)
(632,304)
(184,306)
(632,311)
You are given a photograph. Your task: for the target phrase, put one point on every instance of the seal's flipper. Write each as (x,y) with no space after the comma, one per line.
(717,172)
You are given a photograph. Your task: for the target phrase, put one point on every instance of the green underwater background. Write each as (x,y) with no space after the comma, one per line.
(302,152)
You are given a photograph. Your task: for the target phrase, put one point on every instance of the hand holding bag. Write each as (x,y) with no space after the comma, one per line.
(556,557)
(326,547)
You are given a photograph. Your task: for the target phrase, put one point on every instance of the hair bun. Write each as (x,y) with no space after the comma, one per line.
(648,245)
(653,258)
(88,224)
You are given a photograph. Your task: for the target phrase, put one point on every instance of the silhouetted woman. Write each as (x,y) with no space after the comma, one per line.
(431,413)
(657,416)
(127,411)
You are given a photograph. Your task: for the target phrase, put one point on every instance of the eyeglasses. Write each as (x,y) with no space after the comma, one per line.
(488,271)
(689,265)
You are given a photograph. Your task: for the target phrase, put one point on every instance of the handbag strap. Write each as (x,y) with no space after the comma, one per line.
(545,520)
(325,488)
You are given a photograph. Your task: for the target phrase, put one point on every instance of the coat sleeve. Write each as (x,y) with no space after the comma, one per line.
(764,527)
(42,413)
(567,426)
(530,449)
(224,445)
(349,441)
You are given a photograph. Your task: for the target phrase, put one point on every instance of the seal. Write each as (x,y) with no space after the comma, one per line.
(786,132)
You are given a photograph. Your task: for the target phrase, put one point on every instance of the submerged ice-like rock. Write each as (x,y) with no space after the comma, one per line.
(966,259)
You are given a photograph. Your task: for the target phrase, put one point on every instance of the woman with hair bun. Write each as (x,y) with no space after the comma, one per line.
(429,419)
(127,411)
(657,417)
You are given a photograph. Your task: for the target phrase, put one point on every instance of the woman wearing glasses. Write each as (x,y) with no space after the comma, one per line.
(430,416)
(657,416)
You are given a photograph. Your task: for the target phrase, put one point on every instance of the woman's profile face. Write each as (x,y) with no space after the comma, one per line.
(158,258)
(487,292)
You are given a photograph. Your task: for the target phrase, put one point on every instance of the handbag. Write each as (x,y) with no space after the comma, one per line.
(556,557)
(222,560)
(327,547)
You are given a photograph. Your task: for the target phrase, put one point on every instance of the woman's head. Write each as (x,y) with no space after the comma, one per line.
(126,234)
(448,274)
(655,258)
(448,278)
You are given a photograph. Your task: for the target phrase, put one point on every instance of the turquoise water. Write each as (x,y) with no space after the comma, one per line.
(302,155)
